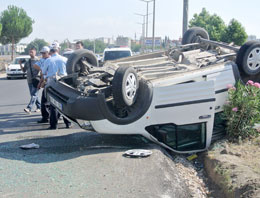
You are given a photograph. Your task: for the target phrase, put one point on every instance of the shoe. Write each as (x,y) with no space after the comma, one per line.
(42,121)
(27,110)
(37,110)
(68,126)
(52,128)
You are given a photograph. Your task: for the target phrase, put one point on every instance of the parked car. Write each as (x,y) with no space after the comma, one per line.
(172,97)
(116,53)
(14,69)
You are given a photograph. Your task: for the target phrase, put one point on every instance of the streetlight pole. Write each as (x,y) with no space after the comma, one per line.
(143,29)
(147,13)
(94,46)
(185,16)
(153,23)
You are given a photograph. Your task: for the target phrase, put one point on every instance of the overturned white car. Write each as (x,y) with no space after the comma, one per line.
(171,97)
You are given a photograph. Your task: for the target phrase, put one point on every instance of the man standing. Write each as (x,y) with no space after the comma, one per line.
(32,73)
(39,66)
(55,67)
(79,45)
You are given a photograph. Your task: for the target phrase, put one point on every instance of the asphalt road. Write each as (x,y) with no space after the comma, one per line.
(73,162)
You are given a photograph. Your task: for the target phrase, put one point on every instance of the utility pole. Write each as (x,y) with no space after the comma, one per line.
(185,16)
(147,13)
(153,23)
(143,29)
(94,46)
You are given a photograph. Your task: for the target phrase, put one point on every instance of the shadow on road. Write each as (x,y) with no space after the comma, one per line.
(3,77)
(19,123)
(60,148)
(12,105)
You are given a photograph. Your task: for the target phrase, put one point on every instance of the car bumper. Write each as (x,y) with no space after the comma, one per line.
(78,106)
(15,73)
(74,104)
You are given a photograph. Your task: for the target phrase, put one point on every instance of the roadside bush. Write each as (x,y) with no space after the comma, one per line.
(242,110)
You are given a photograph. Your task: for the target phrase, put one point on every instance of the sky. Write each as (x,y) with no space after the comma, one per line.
(90,19)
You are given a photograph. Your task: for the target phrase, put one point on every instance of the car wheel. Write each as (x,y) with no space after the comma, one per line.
(74,63)
(8,78)
(248,58)
(124,86)
(192,35)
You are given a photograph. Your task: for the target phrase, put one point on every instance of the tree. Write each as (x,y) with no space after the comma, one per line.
(16,24)
(217,29)
(135,47)
(88,44)
(98,45)
(214,25)
(37,43)
(0,28)
(235,32)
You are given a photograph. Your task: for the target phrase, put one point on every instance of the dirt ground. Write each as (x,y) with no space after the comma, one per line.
(235,168)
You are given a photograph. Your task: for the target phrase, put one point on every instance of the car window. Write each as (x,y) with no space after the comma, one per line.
(112,55)
(16,61)
(181,137)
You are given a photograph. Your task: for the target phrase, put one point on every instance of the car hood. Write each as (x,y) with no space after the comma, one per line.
(14,66)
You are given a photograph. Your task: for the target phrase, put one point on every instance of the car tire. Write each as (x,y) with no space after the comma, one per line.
(74,64)
(8,78)
(192,35)
(248,58)
(124,86)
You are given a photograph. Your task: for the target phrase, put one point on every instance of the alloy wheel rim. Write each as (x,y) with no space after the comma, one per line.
(130,86)
(253,59)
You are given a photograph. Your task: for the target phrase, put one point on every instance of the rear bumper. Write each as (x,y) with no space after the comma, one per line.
(78,106)
(73,103)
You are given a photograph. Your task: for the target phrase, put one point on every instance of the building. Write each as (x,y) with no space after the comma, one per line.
(123,41)
(108,41)
(148,42)
(7,49)
(252,38)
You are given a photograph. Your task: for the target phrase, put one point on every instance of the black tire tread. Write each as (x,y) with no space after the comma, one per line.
(190,35)
(242,56)
(77,55)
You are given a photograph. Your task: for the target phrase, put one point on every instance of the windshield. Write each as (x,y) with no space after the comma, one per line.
(16,61)
(112,55)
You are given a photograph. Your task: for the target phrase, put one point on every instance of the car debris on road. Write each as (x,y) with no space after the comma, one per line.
(30,146)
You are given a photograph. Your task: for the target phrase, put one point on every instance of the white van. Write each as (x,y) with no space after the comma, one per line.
(116,53)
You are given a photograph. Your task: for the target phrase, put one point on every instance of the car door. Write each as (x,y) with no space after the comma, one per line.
(183,115)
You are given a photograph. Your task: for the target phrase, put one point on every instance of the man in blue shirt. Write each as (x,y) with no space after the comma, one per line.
(39,66)
(55,67)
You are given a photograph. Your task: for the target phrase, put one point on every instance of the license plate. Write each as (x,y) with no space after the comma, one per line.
(56,103)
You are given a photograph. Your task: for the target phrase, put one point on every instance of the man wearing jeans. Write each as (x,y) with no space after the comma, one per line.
(55,67)
(32,73)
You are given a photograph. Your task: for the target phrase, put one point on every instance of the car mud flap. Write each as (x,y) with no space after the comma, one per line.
(138,109)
